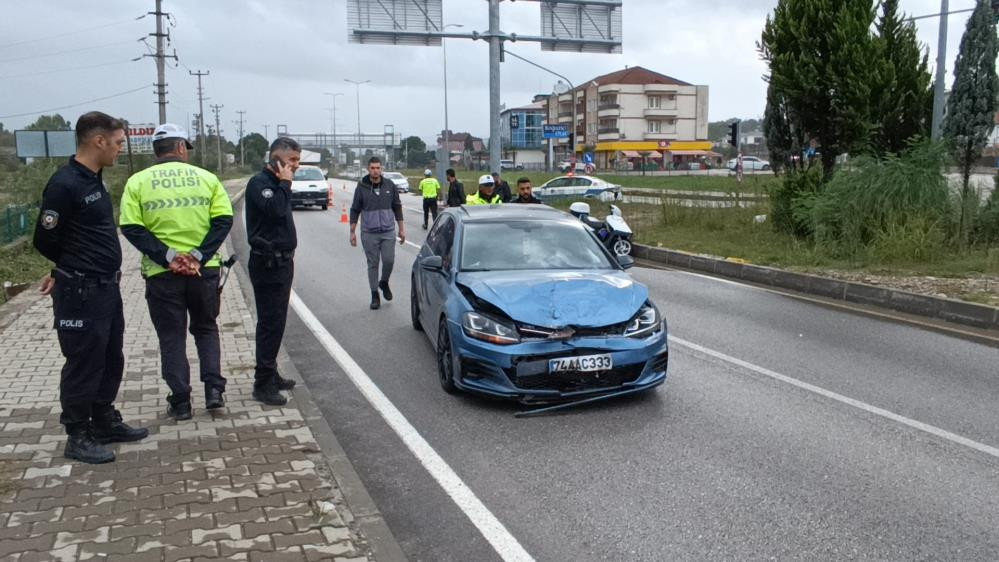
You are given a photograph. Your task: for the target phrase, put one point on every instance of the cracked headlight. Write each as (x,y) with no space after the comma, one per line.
(484,328)
(645,323)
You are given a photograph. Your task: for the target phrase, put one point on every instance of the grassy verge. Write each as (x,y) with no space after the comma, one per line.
(20,263)
(679,181)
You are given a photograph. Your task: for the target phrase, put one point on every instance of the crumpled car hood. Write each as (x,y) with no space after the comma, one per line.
(556,299)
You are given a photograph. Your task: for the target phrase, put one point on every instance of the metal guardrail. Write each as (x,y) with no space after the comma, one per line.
(16,221)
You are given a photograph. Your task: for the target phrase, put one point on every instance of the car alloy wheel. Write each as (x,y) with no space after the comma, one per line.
(445,358)
(622,247)
(414,306)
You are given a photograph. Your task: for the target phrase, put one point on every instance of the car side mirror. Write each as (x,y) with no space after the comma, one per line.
(626,262)
(432,263)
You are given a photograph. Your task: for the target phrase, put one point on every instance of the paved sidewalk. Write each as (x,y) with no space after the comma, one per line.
(244,483)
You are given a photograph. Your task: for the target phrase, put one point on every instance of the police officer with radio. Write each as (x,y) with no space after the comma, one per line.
(485,195)
(178,216)
(430,189)
(270,229)
(76,230)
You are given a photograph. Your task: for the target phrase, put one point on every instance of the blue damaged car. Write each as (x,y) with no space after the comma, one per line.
(523,302)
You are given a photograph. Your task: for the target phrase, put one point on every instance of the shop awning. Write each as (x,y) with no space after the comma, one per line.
(652,155)
(693,153)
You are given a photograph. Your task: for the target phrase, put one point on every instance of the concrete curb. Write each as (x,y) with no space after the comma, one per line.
(384,546)
(13,308)
(950,310)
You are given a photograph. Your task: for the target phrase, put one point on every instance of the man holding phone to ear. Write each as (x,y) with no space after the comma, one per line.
(270,230)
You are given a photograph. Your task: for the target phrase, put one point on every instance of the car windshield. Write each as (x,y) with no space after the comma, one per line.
(308,174)
(495,246)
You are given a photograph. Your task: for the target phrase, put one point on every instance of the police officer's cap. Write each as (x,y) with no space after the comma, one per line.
(171,131)
(427,172)
(487,180)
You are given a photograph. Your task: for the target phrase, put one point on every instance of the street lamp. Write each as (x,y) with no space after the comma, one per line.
(357,89)
(447,127)
(333,121)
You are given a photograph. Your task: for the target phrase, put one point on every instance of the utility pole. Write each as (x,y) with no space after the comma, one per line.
(939,89)
(267,134)
(357,88)
(242,152)
(201,114)
(495,57)
(218,133)
(161,57)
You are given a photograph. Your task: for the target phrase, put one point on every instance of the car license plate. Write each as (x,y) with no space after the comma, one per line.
(585,363)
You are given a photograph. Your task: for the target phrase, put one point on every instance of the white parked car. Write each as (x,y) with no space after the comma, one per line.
(401,182)
(750,164)
(506,165)
(581,168)
(309,187)
(588,187)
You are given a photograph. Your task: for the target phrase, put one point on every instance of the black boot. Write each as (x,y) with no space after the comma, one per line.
(383,285)
(213,398)
(269,395)
(376,302)
(81,446)
(108,427)
(285,384)
(179,407)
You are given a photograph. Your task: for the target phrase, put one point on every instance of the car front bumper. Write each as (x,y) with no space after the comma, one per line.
(302,198)
(520,371)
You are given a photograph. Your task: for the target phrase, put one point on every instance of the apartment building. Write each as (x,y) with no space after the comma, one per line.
(522,133)
(632,116)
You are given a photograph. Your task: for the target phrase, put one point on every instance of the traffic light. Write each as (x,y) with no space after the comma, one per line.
(733,133)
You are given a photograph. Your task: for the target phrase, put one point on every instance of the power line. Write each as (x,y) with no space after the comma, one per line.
(88,29)
(119,94)
(69,69)
(77,50)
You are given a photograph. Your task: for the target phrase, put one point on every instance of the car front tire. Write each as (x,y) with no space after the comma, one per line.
(445,358)
(414,306)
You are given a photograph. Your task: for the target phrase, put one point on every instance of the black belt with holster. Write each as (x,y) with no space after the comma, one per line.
(274,258)
(87,279)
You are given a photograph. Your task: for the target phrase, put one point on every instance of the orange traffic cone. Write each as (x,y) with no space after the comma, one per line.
(343,214)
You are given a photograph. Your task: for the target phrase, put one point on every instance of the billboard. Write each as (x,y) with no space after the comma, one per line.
(581,26)
(45,144)
(141,138)
(559,131)
(395,22)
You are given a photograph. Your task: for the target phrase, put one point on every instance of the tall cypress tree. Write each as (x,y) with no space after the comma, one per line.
(820,54)
(971,107)
(903,93)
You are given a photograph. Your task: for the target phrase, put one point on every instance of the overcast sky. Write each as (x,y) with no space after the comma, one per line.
(276,59)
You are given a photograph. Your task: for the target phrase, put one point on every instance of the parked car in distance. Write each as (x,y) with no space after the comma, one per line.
(510,165)
(750,164)
(580,167)
(401,182)
(309,188)
(547,316)
(588,187)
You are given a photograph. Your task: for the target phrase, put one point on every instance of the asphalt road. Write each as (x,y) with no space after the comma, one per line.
(735,457)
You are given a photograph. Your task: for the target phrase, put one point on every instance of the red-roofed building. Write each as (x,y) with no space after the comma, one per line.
(635,112)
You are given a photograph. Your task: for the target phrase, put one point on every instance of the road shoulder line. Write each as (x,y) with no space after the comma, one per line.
(502,541)
(914,424)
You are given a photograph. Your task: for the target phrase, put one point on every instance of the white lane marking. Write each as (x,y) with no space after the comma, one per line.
(932,430)
(505,544)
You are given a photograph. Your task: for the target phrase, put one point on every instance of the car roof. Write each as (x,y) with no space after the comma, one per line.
(507,212)
(576,176)
(304,166)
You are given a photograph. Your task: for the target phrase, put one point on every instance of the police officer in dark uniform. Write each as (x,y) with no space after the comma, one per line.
(76,230)
(270,229)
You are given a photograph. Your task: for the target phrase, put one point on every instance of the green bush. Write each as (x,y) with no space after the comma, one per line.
(896,207)
(987,224)
(793,186)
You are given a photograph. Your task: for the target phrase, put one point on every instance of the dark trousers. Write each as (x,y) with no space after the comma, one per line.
(91,326)
(271,279)
(429,206)
(172,300)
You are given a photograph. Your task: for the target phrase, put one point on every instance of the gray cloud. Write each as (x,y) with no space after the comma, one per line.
(275,60)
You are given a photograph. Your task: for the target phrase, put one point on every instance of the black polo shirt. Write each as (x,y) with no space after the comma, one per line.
(76,227)
(270,225)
